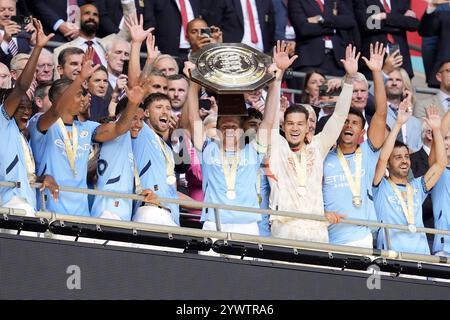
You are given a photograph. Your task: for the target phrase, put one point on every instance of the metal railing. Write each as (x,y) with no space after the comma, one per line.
(235,236)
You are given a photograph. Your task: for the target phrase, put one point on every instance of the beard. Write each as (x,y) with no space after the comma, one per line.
(394,95)
(89,29)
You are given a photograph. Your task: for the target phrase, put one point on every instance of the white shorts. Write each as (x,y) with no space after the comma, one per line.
(154,215)
(245,228)
(20,203)
(366,242)
(109,215)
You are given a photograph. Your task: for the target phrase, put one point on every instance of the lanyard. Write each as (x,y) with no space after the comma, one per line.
(29,160)
(170,174)
(408,208)
(353,183)
(71,146)
(230,172)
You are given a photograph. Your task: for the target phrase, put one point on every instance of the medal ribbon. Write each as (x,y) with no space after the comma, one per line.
(168,159)
(29,160)
(230,171)
(71,146)
(354,184)
(137,179)
(408,208)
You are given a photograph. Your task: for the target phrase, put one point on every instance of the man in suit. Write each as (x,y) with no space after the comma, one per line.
(248,21)
(396,91)
(89,20)
(60,17)
(112,13)
(319,27)
(435,30)
(170,19)
(386,21)
(440,99)
(419,166)
(13,40)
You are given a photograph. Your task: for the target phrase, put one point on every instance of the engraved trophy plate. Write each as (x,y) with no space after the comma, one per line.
(231,68)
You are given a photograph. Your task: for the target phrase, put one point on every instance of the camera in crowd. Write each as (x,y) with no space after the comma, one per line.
(323,91)
(22,21)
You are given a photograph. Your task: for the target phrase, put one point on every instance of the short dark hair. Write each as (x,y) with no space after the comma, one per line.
(41,88)
(297,108)
(304,98)
(122,104)
(253,113)
(157,96)
(57,88)
(62,57)
(177,76)
(359,114)
(400,144)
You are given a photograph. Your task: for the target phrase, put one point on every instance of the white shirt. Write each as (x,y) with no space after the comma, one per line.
(442,96)
(426,149)
(247,34)
(112,79)
(80,42)
(184,44)
(4,44)
(388,3)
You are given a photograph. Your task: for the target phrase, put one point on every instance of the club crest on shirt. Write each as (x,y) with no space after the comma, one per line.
(84,134)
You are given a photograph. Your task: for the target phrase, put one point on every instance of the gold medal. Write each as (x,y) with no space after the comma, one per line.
(412,228)
(171,180)
(231,194)
(357,202)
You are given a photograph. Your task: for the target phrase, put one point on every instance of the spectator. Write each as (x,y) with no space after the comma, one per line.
(171,34)
(5,77)
(13,41)
(395,18)
(157,83)
(166,64)
(319,28)
(390,202)
(44,71)
(97,84)
(61,17)
(69,63)
(197,39)
(117,55)
(433,28)
(398,86)
(89,20)
(248,21)
(42,101)
(177,89)
(440,99)
(18,63)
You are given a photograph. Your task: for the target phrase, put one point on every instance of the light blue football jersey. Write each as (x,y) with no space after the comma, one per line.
(389,210)
(12,161)
(338,197)
(440,196)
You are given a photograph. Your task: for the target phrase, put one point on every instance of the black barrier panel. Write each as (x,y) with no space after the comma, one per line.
(413,268)
(36,268)
(128,235)
(319,258)
(23,223)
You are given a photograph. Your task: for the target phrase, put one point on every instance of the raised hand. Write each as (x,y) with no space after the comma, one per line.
(393,61)
(137,32)
(41,38)
(152,50)
(136,94)
(281,56)
(433,119)
(377,53)
(351,60)
(405,109)
(88,68)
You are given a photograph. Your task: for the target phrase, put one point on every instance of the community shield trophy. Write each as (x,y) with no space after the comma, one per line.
(231,69)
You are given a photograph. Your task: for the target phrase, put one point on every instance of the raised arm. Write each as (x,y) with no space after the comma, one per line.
(109,131)
(404,113)
(196,128)
(67,98)
(377,127)
(433,174)
(334,125)
(281,62)
(25,79)
(138,35)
